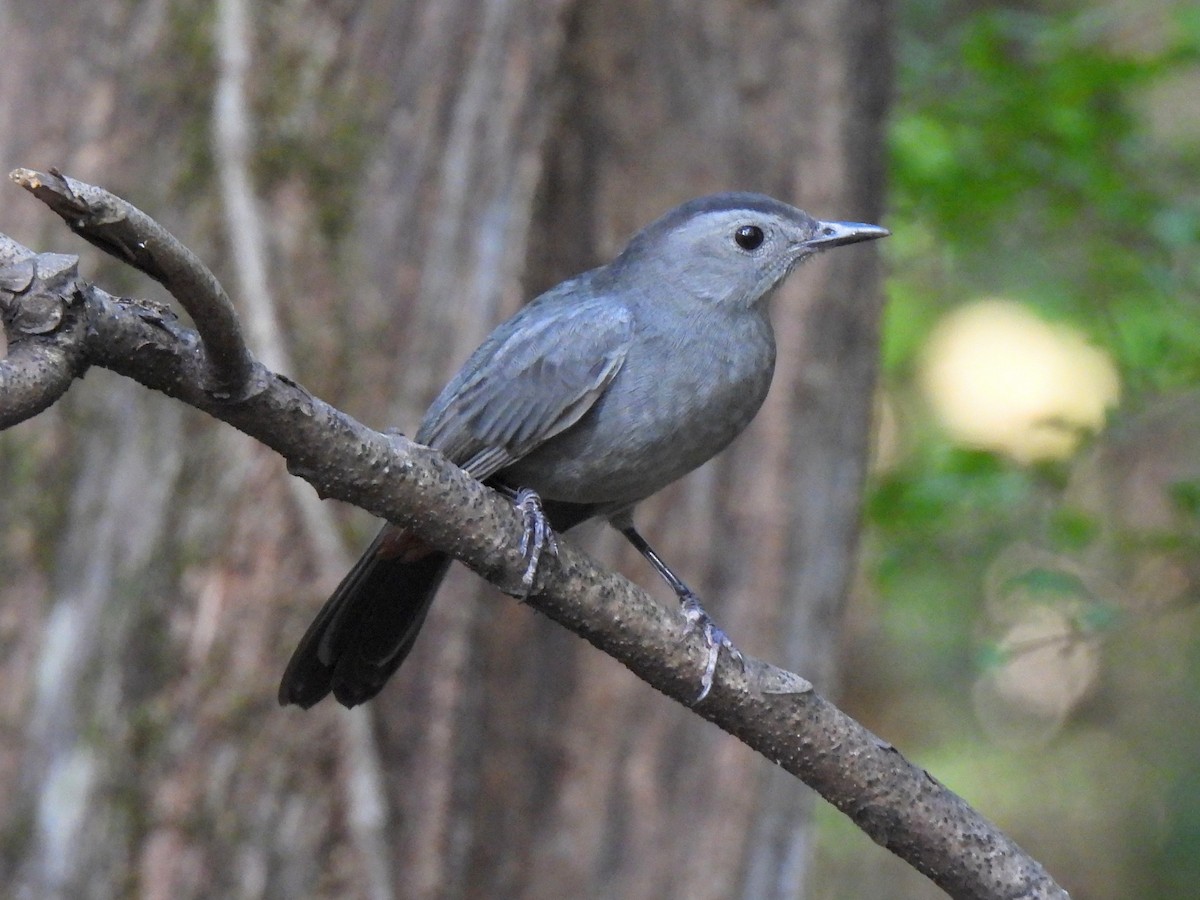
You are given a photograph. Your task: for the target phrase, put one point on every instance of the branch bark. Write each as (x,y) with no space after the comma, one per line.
(34,375)
(126,233)
(58,325)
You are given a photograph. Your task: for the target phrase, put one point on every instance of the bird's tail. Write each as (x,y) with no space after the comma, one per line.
(368,626)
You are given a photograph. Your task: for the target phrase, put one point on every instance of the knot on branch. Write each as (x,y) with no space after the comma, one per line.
(36,291)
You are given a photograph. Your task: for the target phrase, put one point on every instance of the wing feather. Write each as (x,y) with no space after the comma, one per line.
(534,377)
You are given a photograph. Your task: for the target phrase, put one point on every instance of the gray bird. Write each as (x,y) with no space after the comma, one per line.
(597,394)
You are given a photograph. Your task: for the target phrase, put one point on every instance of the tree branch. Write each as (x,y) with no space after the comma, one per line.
(126,233)
(773,711)
(35,374)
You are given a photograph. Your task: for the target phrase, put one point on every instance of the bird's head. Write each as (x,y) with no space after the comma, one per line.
(732,248)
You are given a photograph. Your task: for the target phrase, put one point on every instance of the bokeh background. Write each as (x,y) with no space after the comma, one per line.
(1025,619)
(973,518)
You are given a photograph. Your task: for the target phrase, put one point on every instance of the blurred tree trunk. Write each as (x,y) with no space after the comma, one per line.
(422,169)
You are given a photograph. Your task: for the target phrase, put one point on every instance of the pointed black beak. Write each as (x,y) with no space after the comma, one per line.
(835,234)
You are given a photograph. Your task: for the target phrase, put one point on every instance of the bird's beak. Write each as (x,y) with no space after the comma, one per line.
(835,234)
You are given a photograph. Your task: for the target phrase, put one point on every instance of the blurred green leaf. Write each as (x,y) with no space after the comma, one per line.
(1049,584)
(1185,495)
(1097,618)
(1071,529)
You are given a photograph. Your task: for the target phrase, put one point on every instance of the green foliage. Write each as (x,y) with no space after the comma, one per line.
(971,491)
(1023,164)
(1050,584)
(933,523)
(1071,530)
(1009,107)
(1043,154)
(1186,497)
(1022,147)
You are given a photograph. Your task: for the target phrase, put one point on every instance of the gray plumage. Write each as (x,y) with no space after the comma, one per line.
(596,395)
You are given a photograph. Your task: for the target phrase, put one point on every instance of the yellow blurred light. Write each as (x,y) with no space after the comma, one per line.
(999,378)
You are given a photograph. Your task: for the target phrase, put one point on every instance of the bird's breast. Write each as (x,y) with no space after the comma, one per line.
(685,390)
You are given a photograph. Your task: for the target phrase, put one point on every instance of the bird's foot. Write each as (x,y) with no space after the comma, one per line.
(537,538)
(698,621)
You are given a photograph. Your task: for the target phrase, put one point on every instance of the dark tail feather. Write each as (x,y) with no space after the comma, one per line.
(365,629)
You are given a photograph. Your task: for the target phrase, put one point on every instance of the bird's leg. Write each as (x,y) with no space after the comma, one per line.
(697,619)
(537,537)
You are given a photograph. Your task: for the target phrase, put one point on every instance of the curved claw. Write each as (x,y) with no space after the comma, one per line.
(537,537)
(714,639)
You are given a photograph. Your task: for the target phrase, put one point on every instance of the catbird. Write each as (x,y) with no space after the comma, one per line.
(594,396)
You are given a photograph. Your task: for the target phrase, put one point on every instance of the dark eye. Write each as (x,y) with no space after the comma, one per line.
(749,237)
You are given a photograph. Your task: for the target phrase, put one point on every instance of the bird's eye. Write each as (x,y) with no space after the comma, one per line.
(749,237)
